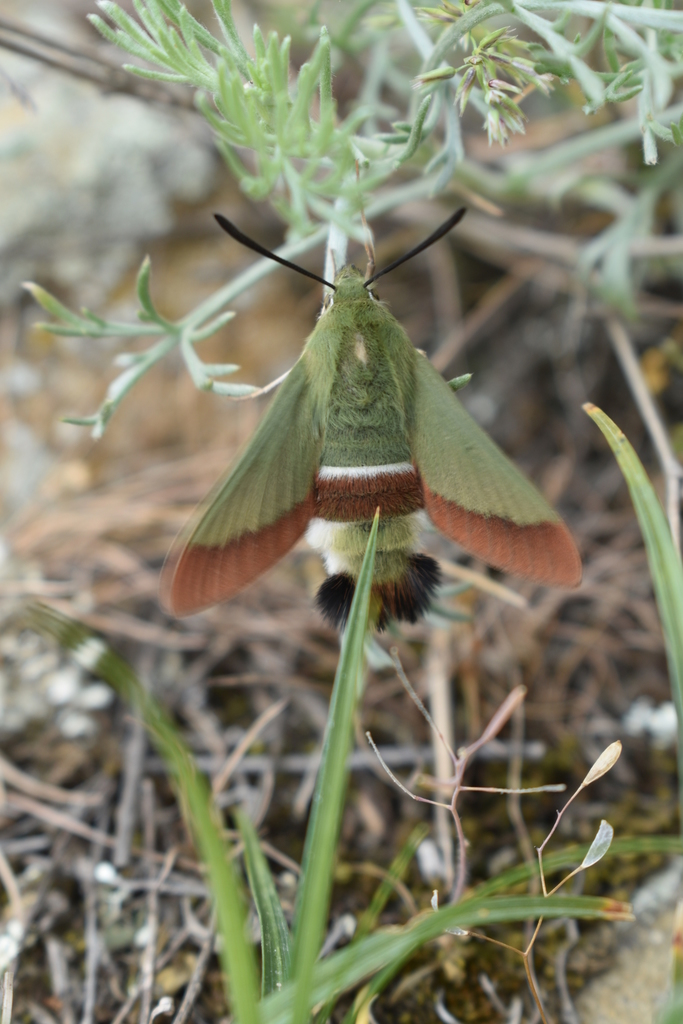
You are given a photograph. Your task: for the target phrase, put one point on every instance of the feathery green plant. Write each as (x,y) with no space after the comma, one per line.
(281,134)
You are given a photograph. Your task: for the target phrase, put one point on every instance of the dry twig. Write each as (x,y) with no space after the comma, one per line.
(86,64)
(44,790)
(195,983)
(223,775)
(126,812)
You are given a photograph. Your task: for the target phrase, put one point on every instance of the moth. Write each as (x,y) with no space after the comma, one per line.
(364,421)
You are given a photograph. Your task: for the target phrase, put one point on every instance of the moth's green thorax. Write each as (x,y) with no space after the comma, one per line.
(361,367)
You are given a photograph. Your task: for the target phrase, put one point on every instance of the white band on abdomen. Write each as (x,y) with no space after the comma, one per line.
(361,472)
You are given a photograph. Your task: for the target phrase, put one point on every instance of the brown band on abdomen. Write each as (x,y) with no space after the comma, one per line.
(351,499)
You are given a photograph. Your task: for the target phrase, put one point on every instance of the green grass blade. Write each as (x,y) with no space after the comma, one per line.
(673,1011)
(317,868)
(275,938)
(386,889)
(350,966)
(572,856)
(198,807)
(664,561)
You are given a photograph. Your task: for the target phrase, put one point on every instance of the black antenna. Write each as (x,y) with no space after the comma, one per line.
(235,233)
(439,233)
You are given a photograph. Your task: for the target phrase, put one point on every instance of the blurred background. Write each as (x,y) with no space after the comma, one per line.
(566,269)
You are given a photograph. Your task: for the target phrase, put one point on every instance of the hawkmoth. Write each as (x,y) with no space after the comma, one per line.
(364,421)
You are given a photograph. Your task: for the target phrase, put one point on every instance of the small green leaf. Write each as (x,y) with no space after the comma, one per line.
(80,421)
(219,387)
(460,382)
(52,305)
(415,134)
(600,845)
(437,75)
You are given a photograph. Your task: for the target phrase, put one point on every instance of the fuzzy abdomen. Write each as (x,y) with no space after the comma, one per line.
(342,545)
(346,500)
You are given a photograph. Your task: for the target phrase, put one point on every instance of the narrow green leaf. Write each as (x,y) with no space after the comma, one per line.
(128,26)
(386,889)
(103,28)
(219,387)
(666,134)
(52,305)
(416,133)
(145,297)
(259,43)
(572,856)
(610,49)
(664,561)
(317,869)
(195,797)
(275,938)
(80,421)
(326,99)
(223,9)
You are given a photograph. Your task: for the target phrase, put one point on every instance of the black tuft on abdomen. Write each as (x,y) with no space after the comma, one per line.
(405,599)
(334,598)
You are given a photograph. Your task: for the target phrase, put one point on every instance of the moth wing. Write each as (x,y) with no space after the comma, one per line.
(255,514)
(476,497)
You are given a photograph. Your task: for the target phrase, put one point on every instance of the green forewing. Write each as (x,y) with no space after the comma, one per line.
(459,462)
(274,473)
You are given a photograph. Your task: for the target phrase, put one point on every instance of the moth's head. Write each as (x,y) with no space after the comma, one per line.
(349,285)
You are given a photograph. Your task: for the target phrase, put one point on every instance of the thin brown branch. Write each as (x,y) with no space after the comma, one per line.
(497,300)
(438,671)
(195,984)
(11,887)
(44,790)
(59,820)
(483,583)
(147,966)
(126,812)
(513,803)
(223,775)
(87,65)
(93,947)
(567,1008)
(532,985)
